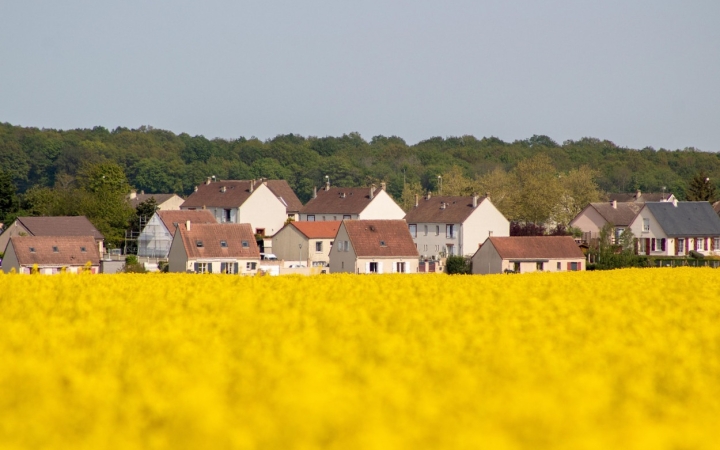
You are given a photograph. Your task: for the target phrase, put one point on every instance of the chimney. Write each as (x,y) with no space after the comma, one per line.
(223,189)
(372,191)
(314,191)
(487,195)
(327,184)
(187,225)
(196,189)
(133,194)
(674,202)
(416,200)
(614,204)
(142,192)
(208,180)
(442,205)
(429,195)
(252,186)
(383,186)
(637,196)
(475,200)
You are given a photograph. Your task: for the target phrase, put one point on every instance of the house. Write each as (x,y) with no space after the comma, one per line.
(373,246)
(155,239)
(339,203)
(265,204)
(214,248)
(641,197)
(596,215)
(676,228)
(446,226)
(521,254)
(51,254)
(52,226)
(165,202)
(307,242)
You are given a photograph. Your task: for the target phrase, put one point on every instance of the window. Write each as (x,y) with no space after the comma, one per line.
(373,267)
(516,267)
(559,265)
(83,250)
(251,266)
(437,230)
(716,243)
(347,245)
(400,267)
(646,225)
(539,266)
(223,244)
(382,244)
(334,217)
(699,244)
(346,217)
(618,232)
(291,216)
(573,266)
(203,268)
(229,268)
(426,230)
(413,230)
(199,243)
(56,250)
(245,244)
(311,218)
(226,215)
(318,247)
(425,247)
(450,249)
(437,248)
(681,245)
(450,231)
(32,249)
(643,246)
(260,231)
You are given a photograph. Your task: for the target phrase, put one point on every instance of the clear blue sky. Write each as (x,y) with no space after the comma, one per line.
(639,73)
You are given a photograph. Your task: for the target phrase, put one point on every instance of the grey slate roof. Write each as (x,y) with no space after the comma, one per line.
(687,219)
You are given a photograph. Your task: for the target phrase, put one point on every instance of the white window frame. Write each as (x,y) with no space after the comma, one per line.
(413,230)
(646,224)
(318,247)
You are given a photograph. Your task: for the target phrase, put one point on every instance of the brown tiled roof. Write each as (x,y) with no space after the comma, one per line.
(210,236)
(69,250)
(642,198)
(236,192)
(159,198)
(533,247)
(339,200)
(442,210)
(318,230)
(170,218)
(282,190)
(368,236)
(60,226)
(622,215)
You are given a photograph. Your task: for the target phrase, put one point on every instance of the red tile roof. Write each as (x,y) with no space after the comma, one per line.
(60,226)
(533,247)
(171,218)
(210,236)
(39,250)
(339,200)
(380,238)
(318,230)
(442,210)
(233,193)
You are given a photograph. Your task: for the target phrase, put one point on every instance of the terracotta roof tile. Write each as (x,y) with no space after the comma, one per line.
(318,230)
(380,238)
(39,250)
(282,190)
(210,237)
(60,226)
(442,210)
(170,218)
(531,247)
(233,193)
(339,200)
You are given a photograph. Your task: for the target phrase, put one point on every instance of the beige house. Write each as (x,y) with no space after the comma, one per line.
(155,239)
(676,228)
(309,243)
(522,254)
(446,226)
(339,203)
(214,248)
(264,204)
(596,215)
(51,254)
(52,226)
(373,246)
(165,202)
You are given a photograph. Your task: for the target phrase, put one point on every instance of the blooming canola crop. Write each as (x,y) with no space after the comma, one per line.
(594,360)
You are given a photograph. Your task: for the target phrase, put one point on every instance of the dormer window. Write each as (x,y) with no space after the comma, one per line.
(32,249)
(223,244)
(382,244)
(55,249)
(199,243)
(245,244)
(82,249)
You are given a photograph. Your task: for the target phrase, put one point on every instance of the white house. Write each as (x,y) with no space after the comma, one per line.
(522,254)
(306,242)
(339,203)
(445,226)
(676,228)
(373,246)
(596,215)
(214,248)
(155,239)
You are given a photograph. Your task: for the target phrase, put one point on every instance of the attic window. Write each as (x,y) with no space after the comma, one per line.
(382,244)
(32,249)
(199,243)
(245,244)
(55,249)
(223,244)
(82,249)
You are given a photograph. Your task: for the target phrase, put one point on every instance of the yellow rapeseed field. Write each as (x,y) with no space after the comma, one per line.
(600,360)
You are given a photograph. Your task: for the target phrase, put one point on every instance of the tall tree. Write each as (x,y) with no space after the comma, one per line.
(539,189)
(701,188)
(8,196)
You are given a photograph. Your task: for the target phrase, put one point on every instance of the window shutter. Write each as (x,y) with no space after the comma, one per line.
(209,266)
(706,244)
(197,267)
(652,244)
(579,265)
(379,267)
(647,246)
(569,266)
(367,267)
(236,265)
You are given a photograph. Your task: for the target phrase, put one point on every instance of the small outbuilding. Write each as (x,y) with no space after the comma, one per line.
(521,254)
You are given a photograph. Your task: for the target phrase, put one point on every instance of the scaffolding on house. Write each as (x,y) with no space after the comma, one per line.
(130,243)
(155,240)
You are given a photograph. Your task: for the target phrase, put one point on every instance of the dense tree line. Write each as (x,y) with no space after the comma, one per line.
(519,176)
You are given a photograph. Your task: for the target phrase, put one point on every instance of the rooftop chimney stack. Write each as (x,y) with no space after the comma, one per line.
(196,189)
(614,204)
(314,191)
(372,191)
(208,180)
(187,225)
(327,184)
(429,196)
(637,196)
(416,200)
(383,186)
(475,200)
(133,194)
(252,186)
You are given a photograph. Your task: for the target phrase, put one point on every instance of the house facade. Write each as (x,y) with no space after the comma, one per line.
(446,226)
(309,243)
(339,203)
(155,239)
(596,215)
(214,248)
(165,202)
(676,228)
(51,254)
(523,254)
(373,247)
(53,226)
